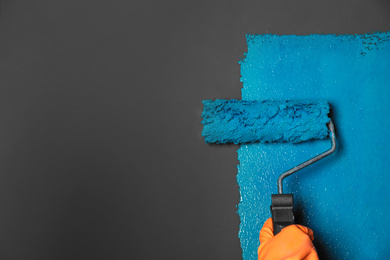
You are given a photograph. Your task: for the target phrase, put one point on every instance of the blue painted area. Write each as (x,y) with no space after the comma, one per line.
(345,197)
(241,121)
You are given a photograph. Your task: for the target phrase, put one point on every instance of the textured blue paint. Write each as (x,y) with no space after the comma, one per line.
(240,121)
(344,198)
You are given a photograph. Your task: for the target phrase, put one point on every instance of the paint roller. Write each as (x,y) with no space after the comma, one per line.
(270,121)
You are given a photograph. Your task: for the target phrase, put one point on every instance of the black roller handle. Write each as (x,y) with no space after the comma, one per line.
(282,211)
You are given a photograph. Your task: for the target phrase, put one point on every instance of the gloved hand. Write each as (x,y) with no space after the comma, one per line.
(293,243)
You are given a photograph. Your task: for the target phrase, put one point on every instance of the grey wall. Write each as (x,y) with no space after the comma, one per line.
(101,155)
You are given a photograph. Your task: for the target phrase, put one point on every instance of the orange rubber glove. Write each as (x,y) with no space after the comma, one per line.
(292,243)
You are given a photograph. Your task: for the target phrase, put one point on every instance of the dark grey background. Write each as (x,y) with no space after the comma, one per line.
(101,155)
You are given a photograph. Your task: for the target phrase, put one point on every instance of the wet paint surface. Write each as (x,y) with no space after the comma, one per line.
(345,197)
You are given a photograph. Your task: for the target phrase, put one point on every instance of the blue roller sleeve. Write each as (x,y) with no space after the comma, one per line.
(241,121)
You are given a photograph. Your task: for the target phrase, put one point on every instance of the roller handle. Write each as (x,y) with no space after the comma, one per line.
(282,211)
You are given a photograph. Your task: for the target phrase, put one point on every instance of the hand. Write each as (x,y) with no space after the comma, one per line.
(293,243)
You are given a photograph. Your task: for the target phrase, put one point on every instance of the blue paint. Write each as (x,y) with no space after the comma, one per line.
(345,197)
(240,121)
